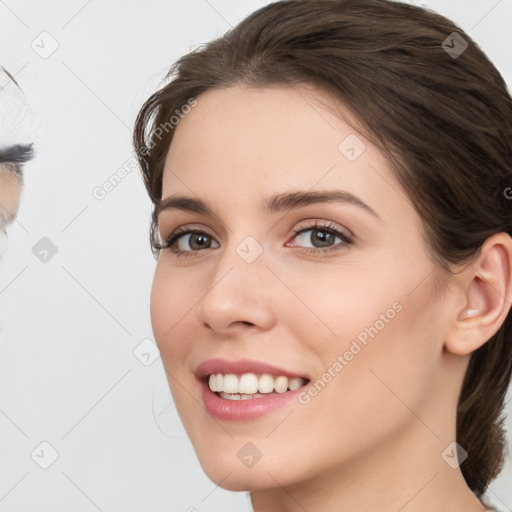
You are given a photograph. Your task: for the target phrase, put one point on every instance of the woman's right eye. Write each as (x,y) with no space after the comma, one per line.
(183,242)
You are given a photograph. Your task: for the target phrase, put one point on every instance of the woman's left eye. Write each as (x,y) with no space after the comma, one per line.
(322,238)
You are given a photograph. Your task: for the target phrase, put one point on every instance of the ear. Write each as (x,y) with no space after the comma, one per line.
(485,292)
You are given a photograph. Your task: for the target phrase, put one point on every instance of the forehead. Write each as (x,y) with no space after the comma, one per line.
(250,142)
(266,130)
(252,117)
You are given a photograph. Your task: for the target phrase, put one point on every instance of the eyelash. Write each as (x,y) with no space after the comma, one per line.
(346,240)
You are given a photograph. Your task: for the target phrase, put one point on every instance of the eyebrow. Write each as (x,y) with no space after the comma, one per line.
(277,203)
(17,154)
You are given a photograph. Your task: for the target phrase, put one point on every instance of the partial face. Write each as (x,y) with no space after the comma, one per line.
(306,295)
(15,145)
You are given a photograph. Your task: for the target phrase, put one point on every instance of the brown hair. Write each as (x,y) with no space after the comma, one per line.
(442,117)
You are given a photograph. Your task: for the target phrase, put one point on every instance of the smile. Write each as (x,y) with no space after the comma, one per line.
(250,385)
(245,389)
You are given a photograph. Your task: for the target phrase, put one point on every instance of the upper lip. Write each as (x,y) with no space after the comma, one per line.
(241,366)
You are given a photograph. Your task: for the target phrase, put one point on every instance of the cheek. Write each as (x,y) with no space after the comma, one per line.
(390,358)
(172,298)
(336,302)
(10,188)
(387,329)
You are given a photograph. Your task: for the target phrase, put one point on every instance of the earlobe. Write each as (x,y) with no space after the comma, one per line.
(486,286)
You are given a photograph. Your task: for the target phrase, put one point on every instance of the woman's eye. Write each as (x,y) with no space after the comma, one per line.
(185,242)
(194,241)
(320,238)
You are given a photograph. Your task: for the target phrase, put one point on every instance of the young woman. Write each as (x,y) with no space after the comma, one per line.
(332,218)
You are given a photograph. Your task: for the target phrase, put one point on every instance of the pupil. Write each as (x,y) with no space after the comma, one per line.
(199,239)
(322,237)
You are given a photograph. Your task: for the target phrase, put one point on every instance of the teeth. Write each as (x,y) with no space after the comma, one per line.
(296,383)
(230,384)
(250,385)
(281,384)
(238,396)
(266,383)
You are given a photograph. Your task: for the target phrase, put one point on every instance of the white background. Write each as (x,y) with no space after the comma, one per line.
(68,374)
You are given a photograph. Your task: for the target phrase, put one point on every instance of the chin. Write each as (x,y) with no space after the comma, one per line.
(233,476)
(243,463)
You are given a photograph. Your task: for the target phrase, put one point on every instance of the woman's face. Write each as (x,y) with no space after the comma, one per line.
(349,302)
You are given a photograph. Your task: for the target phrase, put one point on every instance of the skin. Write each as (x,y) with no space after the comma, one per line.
(10,190)
(372,438)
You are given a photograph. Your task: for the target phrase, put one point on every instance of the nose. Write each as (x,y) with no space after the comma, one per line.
(239,294)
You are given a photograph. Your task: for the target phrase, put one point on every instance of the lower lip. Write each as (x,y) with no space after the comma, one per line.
(240,410)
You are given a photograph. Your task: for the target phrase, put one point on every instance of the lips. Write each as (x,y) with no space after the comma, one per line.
(236,407)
